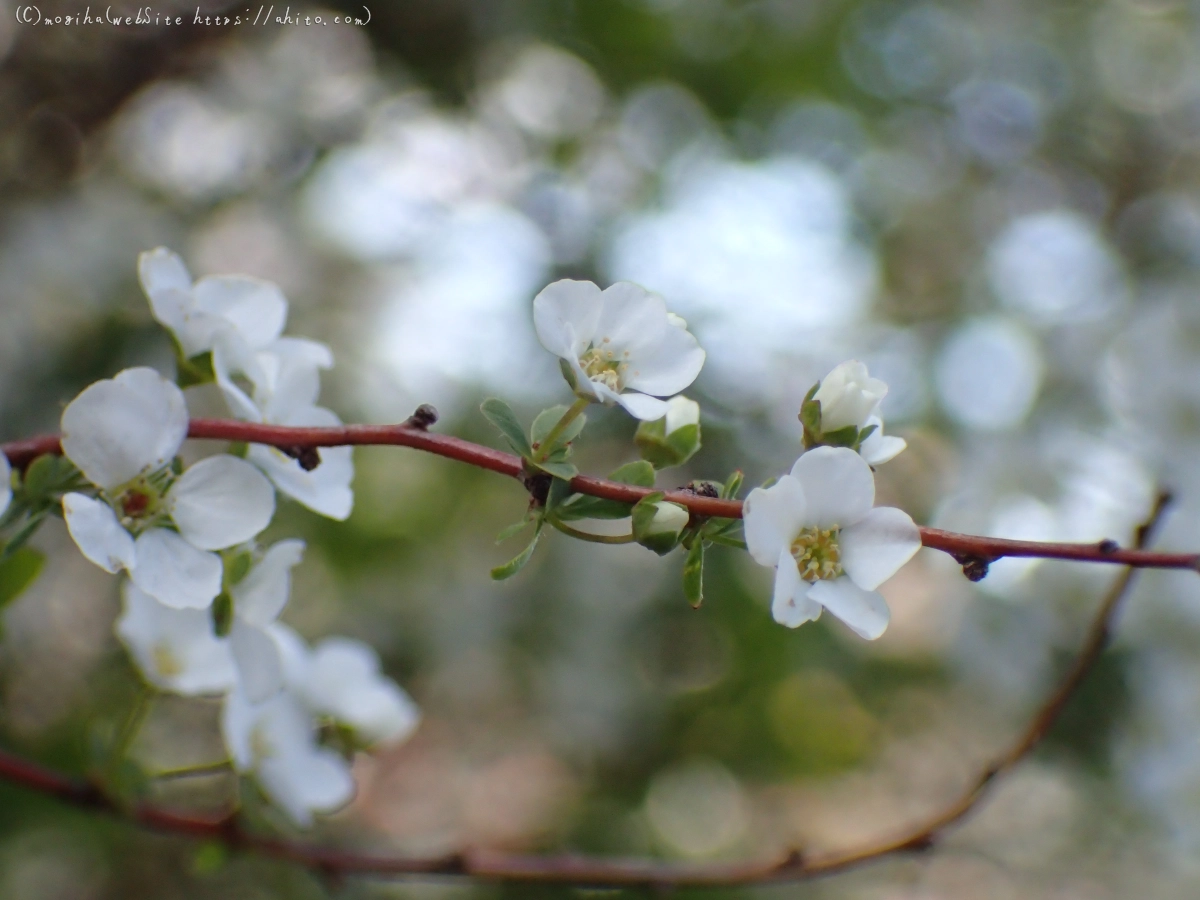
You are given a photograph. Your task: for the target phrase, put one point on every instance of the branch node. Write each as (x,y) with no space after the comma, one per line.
(974,565)
(1107,546)
(423,416)
(538,484)
(308,457)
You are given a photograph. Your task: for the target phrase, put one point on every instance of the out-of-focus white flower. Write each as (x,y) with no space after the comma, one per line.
(848,396)
(258,599)
(340,679)
(620,345)
(829,547)
(877,448)
(276,742)
(681,412)
(175,649)
(284,381)
(123,433)
(197,314)
(5,483)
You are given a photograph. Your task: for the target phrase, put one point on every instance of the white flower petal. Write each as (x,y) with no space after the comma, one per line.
(174,572)
(838,484)
(5,483)
(848,396)
(345,683)
(325,490)
(295,656)
(306,780)
(230,358)
(238,717)
(565,314)
(864,611)
(258,661)
(772,517)
(221,501)
(160,269)
(175,649)
(667,366)
(874,548)
(790,604)
(96,531)
(642,406)
(255,308)
(120,427)
(261,596)
(631,318)
(879,448)
(681,412)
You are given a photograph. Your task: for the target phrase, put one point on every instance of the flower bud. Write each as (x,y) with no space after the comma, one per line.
(848,396)
(673,439)
(658,525)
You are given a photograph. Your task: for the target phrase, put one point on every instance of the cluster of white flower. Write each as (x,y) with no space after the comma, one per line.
(817,526)
(202,600)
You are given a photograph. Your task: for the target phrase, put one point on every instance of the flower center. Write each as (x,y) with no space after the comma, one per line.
(165,661)
(602,365)
(817,553)
(139,504)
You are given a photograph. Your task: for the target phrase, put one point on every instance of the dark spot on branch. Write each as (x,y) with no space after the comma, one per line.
(308,457)
(538,485)
(1108,545)
(974,566)
(701,489)
(424,416)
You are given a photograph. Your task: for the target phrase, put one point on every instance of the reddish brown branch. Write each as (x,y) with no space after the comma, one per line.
(973,551)
(583,870)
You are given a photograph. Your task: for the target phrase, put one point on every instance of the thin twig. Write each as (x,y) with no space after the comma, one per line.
(973,551)
(581,870)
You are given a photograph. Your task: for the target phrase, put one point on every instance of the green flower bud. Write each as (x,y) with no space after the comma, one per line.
(673,439)
(658,525)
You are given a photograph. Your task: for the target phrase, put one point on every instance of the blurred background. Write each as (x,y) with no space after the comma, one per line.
(996,206)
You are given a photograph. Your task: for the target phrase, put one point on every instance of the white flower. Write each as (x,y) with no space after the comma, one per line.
(830,548)
(877,449)
(258,599)
(123,433)
(252,309)
(5,483)
(284,380)
(340,679)
(848,396)
(276,742)
(681,412)
(175,648)
(621,345)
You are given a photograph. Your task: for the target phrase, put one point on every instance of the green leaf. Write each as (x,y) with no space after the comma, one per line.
(559,493)
(24,533)
(501,415)
(644,513)
(639,473)
(864,434)
(193,370)
(812,392)
(810,415)
(564,470)
(18,572)
(733,485)
(583,507)
(47,476)
(512,530)
(693,574)
(664,450)
(517,563)
(548,418)
(842,437)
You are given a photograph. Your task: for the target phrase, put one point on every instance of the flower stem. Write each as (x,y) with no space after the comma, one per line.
(214,768)
(587,536)
(130,728)
(547,445)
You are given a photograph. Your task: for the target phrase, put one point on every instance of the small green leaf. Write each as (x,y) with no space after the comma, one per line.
(18,572)
(191,371)
(24,533)
(46,476)
(517,563)
(650,531)
(693,574)
(559,493)
(512,530)
(812,392)
(583,507)
(639,473)
(222,614)
(733,485)
(501,415)
(842,437)
(810,416)
(864,434)
(564,470)
(664,450)
(548,418)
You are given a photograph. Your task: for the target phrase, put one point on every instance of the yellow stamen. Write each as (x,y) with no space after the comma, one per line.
(817,553)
